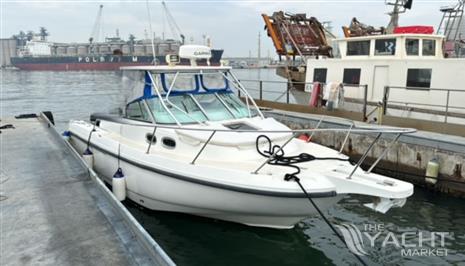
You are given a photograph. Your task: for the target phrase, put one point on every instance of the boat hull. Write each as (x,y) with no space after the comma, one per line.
(160,192)
(96,62)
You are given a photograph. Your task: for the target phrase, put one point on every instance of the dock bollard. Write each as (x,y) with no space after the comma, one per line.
(432,171)
(88,157)
(118,185)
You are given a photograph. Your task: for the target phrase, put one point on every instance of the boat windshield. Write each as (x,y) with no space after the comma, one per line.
(198,107)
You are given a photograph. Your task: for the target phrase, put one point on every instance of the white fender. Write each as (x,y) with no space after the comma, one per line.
(88,157)
(118,184)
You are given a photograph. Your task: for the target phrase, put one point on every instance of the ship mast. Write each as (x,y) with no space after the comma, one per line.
(259,50)
(399,7)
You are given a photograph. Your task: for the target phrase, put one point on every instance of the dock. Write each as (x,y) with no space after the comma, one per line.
(56,211)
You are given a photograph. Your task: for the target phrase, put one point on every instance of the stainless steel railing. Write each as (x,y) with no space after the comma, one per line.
(352,128)
(290,87)
(438,109)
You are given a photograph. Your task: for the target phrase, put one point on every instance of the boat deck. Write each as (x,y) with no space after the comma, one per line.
(55,212)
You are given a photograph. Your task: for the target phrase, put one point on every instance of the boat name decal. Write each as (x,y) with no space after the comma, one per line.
(100,59)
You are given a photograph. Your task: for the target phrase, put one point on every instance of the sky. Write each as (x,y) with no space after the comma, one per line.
(232,25)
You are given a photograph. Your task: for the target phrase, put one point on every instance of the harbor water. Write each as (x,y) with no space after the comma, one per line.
(428,230)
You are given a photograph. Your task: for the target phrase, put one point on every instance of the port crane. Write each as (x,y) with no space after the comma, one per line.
(95,35)
(175,30)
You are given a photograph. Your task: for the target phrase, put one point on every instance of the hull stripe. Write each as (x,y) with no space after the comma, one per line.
(212,184)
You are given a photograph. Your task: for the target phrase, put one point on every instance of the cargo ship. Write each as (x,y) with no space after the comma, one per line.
(36,53)
(110,55)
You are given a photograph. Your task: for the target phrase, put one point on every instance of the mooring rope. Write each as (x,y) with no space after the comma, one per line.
(279,158)
(90,135)
(297,180)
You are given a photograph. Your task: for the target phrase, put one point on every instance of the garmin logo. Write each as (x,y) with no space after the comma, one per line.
(202,53)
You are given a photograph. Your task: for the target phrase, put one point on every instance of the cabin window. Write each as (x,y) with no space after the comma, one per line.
(385,47)
(181,106)
(352,76)
(214,81)
(134,111)
(145,114)
(358,48)
(419,77)
(236,105)
(183,82)
(319,75)
(412,46)
(429,47)
(168,142)
(217,106)
(137,111)
(214,108)
(151,138)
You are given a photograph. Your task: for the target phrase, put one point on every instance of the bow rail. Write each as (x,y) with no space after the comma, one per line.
(352,128)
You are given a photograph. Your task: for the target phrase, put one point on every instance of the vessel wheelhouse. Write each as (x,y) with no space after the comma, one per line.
(415,62)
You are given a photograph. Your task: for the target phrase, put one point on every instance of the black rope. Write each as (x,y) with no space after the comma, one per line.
(280,159)
(297,180)
(90,135)
(119,154)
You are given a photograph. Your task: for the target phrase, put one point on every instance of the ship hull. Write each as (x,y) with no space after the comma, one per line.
(95,62)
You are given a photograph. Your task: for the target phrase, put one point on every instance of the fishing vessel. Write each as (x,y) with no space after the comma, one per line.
(416,69)
(186,143)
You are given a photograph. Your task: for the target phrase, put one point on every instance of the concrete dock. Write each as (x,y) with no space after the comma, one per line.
(54,211)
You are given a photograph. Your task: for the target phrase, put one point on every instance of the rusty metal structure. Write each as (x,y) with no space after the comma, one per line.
(357,29)
(452,26)
(296,35)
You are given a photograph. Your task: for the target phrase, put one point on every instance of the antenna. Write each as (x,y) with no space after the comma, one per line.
(400,6)
(259,49)
(151,31)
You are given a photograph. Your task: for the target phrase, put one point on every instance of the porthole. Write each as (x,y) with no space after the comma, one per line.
(149,137)
(168,143)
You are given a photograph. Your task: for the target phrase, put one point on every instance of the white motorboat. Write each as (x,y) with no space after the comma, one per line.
(186,143)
